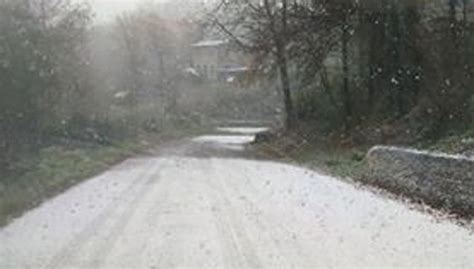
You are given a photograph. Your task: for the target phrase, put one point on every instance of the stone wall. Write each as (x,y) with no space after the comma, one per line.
(442,181)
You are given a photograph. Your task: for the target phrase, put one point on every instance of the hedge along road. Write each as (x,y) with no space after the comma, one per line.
(199,203)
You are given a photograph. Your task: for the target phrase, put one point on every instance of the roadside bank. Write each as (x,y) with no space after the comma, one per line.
(351,163)
(58,167)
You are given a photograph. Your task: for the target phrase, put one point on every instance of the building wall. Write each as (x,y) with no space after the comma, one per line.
(206,60)
(210,60)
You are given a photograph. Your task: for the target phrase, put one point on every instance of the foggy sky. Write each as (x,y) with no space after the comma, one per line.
(106,10)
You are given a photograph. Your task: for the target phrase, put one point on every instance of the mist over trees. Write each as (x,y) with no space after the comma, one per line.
(61,76)
(369,69)
(66,78)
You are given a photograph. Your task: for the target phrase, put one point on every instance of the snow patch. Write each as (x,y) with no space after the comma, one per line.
(226,139)
(243,130)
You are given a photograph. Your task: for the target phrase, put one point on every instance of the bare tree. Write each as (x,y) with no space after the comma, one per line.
(280,34)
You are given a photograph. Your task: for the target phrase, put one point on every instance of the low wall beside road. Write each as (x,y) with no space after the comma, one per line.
(442,181)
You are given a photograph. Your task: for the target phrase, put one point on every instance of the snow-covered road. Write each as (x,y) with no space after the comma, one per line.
(198,204)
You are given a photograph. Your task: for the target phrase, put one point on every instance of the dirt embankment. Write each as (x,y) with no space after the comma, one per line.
(439,180)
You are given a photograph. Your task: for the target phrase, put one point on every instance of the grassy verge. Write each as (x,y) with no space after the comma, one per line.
(318,155)
(336,161)
(462,143)
(56,168)
(313,150)
(349,163)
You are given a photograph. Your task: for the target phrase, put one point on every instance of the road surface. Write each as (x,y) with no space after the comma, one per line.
(200,204)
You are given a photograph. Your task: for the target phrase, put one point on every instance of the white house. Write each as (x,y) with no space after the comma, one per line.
(216,60)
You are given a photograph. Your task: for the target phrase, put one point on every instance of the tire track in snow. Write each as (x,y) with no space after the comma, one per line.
(68,254)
